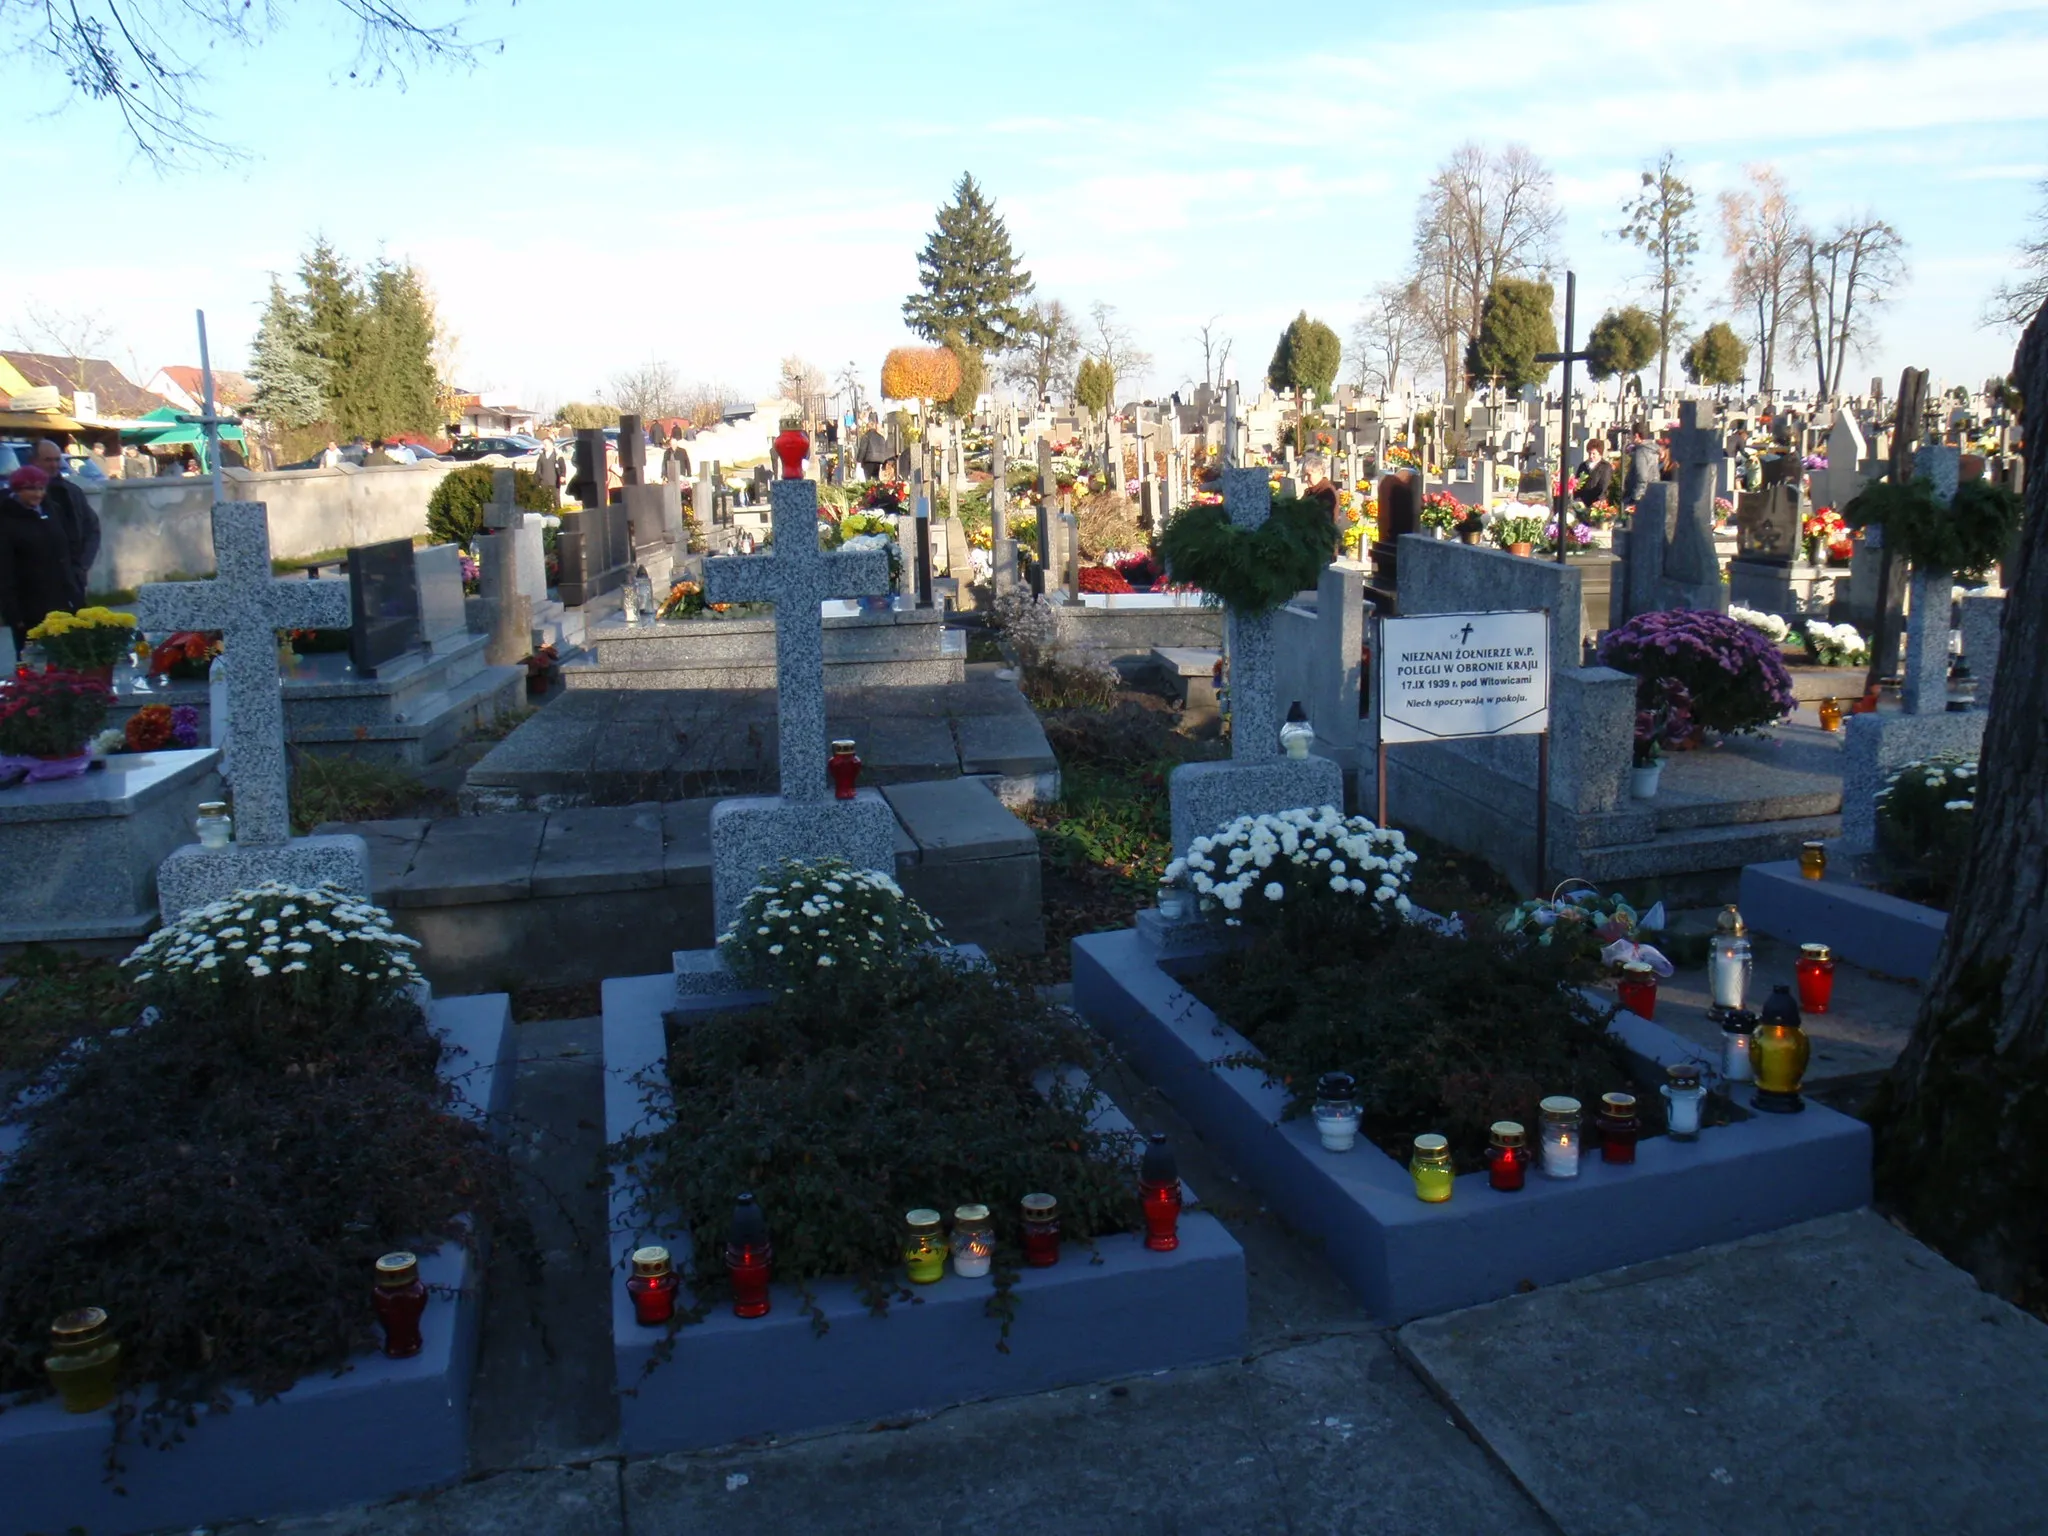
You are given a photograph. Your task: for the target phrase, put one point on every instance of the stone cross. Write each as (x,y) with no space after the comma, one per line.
(1846,452)
(248,606)
(1924,687)
(1230,428)
(503,510)
(1049,501)
(1002,553)
(797,578)
(1254,713)
(1689,556)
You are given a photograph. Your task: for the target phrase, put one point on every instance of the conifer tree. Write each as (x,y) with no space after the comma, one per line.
(970,280)
(290,377)
(1718,357)
(1514,325)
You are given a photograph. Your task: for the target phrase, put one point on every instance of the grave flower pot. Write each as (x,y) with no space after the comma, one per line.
(1642,782)
(1521,547)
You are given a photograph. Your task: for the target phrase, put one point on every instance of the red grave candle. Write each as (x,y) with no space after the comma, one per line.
(791,447)
(1159,1194)
(1618,1127)
(1638,988)
(1507,1157)
(400,1299)
(749,1259)
(653,1287)
(843,769)
(1816,974)
(1041,1231)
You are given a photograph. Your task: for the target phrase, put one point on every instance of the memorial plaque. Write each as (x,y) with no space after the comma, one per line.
(1767,524)
(384,604)
(1454,675)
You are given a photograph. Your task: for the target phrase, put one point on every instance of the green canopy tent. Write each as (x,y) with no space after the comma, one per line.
(162,429)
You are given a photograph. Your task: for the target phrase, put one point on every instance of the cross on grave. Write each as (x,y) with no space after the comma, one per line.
(1257,780)
(1559,501)
(1690,559)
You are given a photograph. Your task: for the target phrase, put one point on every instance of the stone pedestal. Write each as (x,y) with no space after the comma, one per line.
(193,876)
(1983,612)
(1206,797)
(1788,590)
(1925,690)
(508,610)
(81,854)
(750,837)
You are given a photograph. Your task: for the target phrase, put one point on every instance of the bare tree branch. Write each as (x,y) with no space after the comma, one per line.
(2014,304)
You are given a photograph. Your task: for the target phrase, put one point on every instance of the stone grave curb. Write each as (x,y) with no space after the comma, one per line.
(1080,1321)
(380,1427)
(1407,1259)
(1887,934)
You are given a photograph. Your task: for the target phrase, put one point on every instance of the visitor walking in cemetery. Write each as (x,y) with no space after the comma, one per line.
(35,557)
(72,513)
(1595,476)
(330,456)
(873,451)
(1643,469)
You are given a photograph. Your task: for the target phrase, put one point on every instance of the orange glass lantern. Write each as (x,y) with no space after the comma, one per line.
(1813,860)
(1830,711)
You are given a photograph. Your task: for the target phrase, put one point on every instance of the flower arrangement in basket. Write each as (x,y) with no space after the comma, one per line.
(280,946)
(1733,674)
(1260,867)
(51,715)
(1607,924)
(88,640)
(810,918)
(186,656)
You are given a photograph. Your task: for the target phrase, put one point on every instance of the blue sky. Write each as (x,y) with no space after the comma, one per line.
(718,187)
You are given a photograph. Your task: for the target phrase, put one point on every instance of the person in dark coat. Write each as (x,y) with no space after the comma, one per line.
(1643,469)
(1595,475)
(35,557)
(67,507)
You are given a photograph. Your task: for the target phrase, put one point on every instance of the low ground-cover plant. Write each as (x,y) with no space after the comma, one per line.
(870,1093)
(222,1174)
(1925,813)
(1444,1034)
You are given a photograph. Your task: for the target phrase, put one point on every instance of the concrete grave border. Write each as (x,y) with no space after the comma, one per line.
(731,1378)
(1408,1259)
(375,1429)
(1881,933)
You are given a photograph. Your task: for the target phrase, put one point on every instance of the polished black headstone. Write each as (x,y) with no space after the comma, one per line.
(384,604)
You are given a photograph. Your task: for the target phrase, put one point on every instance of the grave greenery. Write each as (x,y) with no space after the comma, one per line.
(1444,1034)
(814,917)
(222,1175)
(1925,815)
(1974,532)
(455,512)
(1252,570)
(868,1093)
(1733,675)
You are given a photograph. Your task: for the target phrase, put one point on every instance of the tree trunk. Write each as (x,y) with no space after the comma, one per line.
(1962,1121)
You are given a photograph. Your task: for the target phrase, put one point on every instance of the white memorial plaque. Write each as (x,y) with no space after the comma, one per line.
(1447,675)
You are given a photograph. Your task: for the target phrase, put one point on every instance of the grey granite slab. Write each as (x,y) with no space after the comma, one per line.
(686,842)
(599,848)
(957,820)
(193,876)
(391,844)
(473,858)
(897,749)
(1006,744)
(751,837)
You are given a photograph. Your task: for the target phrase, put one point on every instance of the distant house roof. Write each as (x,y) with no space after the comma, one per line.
(111,389)
(231,390)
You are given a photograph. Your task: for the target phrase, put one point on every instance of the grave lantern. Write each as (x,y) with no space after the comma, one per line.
(749,1259)
(791,447)
(924,1246)
(1560,1114)
(1159,1194)
(1337,1111)
(1779,1055)
(1683,1096)
(843,769)
(1296,734)
(400,1299)
(1736,1040)
(1041,1231)
(1618,1127)
(1816,972)
(652,1287)
(1813,860)
(1638,988)
(83,1360)
(1430,1166)
(1729,964)
(974,1242)
(1507,1155)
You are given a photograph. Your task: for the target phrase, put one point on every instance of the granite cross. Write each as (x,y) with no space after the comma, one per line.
(248,606)
(1254,717)
(1690,556)
(797,578)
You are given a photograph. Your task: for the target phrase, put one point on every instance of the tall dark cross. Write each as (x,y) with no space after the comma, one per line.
(1561,498)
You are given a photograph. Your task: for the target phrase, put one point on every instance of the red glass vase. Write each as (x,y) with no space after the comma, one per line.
(400,1299)
(1816,976)
(843,768)
(1639,994)
(791,447)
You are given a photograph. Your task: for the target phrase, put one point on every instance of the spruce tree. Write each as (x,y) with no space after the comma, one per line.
(1514,325)
(969,278)
(290,376)
(331,299)
(1305,361)
(402,391)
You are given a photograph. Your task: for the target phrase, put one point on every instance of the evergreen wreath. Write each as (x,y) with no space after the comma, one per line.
(1253,570)
(1968,536)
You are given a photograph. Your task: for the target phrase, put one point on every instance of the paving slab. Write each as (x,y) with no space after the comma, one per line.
(1007,744)
(560,1501)
(686,842)
(600,848)
(1836,1376)
(958,820)
(467,859)
(902,749)
(392,846)
(1330,1437)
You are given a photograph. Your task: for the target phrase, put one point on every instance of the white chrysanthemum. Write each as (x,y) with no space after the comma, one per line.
(1275,890)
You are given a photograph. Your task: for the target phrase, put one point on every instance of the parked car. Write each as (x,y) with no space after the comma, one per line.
(508,447)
